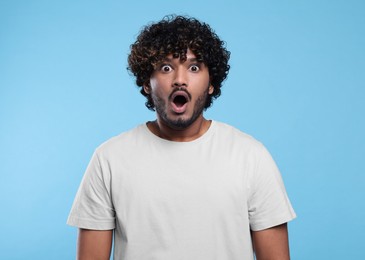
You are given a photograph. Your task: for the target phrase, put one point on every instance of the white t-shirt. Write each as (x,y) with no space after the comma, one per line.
(181,200)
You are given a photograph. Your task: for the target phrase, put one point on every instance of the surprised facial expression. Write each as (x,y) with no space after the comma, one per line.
(179,90)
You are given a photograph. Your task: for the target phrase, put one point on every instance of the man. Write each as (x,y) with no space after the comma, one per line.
(182,186)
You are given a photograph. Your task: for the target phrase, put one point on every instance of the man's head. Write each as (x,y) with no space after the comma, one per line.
(175,35)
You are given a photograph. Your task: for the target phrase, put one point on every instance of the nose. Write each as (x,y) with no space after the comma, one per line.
(180,78)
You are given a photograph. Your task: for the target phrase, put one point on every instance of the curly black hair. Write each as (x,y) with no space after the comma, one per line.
(175,35)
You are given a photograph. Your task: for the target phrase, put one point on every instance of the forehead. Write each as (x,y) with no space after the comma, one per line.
(189,55)
(182,58)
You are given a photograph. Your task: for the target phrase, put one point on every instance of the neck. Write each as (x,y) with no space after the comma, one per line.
(190,133)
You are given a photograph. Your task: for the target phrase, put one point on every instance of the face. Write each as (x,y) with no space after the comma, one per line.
(179,90)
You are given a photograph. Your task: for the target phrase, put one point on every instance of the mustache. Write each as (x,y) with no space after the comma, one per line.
(179,89)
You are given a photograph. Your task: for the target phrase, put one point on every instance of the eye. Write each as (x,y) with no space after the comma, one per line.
(194,68)
(166,68)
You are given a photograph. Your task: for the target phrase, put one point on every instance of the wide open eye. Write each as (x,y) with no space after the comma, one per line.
(194,68)
(166,68)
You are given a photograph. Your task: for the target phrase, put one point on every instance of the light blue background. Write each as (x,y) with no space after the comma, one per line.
(296,84)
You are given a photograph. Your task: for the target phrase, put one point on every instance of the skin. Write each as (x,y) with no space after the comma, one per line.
(94,244)
(271,243)
(193,78)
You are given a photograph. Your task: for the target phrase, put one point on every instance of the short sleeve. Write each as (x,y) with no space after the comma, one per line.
(93,207)
(268,203)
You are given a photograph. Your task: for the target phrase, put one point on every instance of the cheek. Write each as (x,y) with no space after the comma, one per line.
(202,85)
(159,91)
(159,84)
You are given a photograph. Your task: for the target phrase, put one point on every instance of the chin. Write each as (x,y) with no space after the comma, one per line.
(180,122)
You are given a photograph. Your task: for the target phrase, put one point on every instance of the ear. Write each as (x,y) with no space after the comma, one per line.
(146,87)
(211,89)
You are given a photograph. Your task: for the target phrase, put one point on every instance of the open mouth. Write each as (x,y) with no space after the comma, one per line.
(179,100)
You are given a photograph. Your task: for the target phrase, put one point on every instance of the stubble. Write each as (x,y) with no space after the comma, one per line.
(179,123)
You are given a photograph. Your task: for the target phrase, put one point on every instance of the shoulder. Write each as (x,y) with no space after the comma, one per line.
(122,142)
(233,135)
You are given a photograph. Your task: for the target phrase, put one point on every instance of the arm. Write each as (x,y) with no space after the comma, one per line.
(271,243)
(94,244)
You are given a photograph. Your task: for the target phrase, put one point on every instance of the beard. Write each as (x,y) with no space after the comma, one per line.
(180,123)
